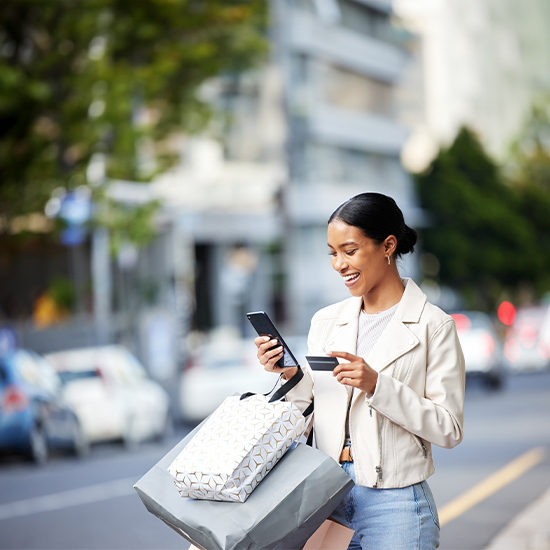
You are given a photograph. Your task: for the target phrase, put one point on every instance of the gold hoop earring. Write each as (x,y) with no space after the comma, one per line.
(389,263)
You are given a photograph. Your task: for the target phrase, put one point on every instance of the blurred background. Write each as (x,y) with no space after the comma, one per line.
(167,166)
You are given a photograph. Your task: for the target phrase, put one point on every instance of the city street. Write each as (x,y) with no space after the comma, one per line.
(90,503)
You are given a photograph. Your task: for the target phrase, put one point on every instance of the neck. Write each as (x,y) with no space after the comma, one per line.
(385,295)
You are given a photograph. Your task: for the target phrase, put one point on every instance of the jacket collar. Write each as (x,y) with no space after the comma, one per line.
(395,341)
(409,309)
(412,303)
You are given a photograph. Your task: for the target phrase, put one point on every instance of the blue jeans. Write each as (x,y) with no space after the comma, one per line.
(389,519)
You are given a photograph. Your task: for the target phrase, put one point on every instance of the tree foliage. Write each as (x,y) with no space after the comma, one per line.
(484,231)
(78,77)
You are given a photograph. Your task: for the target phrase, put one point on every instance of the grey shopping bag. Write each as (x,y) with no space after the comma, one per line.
(284,510)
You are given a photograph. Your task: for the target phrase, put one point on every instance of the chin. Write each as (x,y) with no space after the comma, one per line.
(356,292)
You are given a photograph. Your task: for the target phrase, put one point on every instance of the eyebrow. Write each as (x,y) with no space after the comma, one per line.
(347,243)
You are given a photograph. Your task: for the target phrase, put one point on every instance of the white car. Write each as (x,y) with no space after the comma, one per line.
(111,394)
(224,367)
(527,346)
(482,347)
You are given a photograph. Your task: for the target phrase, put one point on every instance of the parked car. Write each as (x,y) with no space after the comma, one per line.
(224,367)
(527,345)
(482,347)
(112,394)
(34,416)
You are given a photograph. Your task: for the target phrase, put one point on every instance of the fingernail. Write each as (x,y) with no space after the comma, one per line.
(274,341)
(266,338)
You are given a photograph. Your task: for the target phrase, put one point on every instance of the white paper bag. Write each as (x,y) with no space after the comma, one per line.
(236,448)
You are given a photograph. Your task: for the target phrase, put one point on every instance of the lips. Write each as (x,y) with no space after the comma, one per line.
(350,279)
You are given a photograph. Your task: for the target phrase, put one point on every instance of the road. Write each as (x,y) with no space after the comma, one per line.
(90,503)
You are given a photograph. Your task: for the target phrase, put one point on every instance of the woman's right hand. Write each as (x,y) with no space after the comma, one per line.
(268,355)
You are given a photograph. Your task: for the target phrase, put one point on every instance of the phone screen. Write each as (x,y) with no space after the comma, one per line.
(265,327)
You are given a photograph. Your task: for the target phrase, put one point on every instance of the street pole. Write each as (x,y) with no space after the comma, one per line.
(101,281)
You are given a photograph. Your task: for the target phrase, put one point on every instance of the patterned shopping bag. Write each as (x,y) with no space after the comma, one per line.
(236,448)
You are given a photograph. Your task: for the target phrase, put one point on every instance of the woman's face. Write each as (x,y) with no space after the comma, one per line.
(360,261)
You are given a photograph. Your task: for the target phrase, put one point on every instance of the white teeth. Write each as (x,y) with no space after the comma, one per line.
(350,277)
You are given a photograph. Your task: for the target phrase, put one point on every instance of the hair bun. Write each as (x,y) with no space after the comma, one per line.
(407,241)
(377,216)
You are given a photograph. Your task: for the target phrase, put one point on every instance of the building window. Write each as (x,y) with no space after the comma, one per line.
(328,164)
(350,90)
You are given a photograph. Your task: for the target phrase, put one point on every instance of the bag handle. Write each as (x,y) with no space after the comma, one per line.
(282,391)
(287,386)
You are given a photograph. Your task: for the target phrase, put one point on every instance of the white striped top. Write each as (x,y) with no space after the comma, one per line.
(371,326)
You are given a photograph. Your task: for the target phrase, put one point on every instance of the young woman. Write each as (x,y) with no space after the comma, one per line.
(399,387)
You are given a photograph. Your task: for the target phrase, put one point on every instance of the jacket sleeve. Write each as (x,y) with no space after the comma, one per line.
(302,394)
(436,416)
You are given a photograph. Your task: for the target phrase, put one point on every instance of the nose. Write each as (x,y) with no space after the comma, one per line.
(339,262)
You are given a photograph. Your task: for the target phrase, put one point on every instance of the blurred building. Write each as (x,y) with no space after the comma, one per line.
(319,123)
(342,63)
(244,213)
(315,126)
(484,61)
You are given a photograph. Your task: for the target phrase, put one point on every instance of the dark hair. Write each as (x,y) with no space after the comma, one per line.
(378,217)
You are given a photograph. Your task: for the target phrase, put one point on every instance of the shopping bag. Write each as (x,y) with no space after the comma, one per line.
(284,510)
(236,448)
(239,444)
(332,535)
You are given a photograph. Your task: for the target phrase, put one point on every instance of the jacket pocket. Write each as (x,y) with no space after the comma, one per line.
(420,444)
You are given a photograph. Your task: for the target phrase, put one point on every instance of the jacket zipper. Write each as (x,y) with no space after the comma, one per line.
(378,469)
(420,442)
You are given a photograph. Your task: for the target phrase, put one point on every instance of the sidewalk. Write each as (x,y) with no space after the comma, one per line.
(530,530)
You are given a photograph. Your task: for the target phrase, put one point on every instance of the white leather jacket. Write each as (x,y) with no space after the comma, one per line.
(418,399)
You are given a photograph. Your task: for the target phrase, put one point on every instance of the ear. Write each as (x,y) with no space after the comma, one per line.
(390,245)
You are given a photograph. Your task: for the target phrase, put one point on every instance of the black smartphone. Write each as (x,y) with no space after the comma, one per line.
(265,327)
(322,363)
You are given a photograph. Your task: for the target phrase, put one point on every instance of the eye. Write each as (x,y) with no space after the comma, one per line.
(351,252)
(331,253)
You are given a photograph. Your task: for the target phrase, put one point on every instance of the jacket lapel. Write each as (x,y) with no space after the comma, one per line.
(345,335)
(397,339)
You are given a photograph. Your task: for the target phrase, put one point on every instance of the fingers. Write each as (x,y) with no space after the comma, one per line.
(269,353)
(261,340)
(344,355)
(346,372)
(344,367)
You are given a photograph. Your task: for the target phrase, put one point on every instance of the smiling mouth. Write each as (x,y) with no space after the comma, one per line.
(350,278)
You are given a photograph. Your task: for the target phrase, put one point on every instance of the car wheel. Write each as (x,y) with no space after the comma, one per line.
(38,445)
(167,428)
(129,438)
(494,382)
(80,446)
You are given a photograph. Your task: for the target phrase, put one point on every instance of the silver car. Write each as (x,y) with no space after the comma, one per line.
(482,347)
(527,346)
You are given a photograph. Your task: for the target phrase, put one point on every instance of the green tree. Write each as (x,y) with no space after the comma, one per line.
(529,172)
(79,77)
(482,230)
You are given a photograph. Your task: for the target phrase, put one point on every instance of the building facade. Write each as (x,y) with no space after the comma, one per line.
(342,64)
(320,122)
(484,63)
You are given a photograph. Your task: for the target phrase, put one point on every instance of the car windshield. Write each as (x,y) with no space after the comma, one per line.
(533,317)
(466,321)
(71,376)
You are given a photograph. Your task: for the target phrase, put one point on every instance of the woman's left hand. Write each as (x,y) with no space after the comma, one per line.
(356,373)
